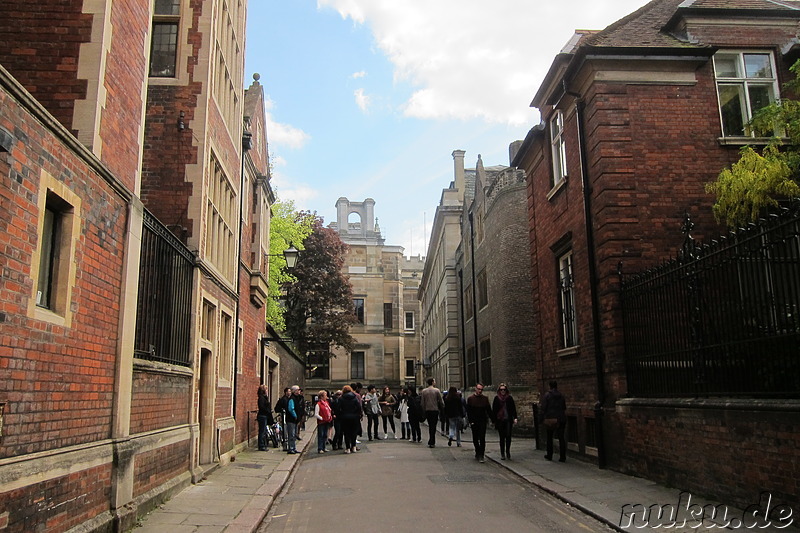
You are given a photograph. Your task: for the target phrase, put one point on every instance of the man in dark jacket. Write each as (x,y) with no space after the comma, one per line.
(479,412)
(554,417)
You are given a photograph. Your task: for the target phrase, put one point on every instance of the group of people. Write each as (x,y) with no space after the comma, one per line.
(339,416)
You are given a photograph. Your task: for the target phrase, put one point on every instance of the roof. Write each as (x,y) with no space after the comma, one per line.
(645,27)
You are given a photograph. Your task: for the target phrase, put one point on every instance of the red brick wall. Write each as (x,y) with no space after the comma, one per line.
(58,381)
(60,503)
(159,401)
(42,54)
(126,72)
(695,446)
(156,467)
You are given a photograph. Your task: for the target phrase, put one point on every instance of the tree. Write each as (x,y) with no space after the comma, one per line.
(319,302)
(759,180)
(287,227)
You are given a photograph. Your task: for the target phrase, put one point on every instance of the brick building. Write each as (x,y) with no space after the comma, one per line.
(384,285)
(136,220)
(636,119)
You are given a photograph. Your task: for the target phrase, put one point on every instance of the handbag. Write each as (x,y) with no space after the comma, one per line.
(397,414)
(551,422)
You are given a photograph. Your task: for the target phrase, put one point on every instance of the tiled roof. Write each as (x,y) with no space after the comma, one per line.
(643,27)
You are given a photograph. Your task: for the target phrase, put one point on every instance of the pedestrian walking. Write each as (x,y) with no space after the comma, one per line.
(479,412)
(351,413)
(387,403)
(372,408)
(505,416)
(454,412)
(264,417)
(433,404)
(554,416)
(301,411)
(324,416)
(416,415)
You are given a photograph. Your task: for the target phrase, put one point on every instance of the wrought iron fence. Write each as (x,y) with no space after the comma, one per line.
(165,296)
(721,319)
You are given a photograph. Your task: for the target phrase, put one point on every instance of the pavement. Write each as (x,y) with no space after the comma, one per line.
(236,497)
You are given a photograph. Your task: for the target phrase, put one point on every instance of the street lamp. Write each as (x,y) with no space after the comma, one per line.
(290,255)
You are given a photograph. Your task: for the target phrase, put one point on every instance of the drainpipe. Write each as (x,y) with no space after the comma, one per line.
(474,301)
(599,354)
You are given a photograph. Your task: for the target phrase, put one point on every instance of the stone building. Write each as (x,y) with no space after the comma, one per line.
(493,269)
(384,291)
(135,221)
(440,285)
(637,118)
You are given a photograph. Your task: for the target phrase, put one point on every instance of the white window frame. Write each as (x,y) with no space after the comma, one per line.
(558,149)
(413,323)
(745,83)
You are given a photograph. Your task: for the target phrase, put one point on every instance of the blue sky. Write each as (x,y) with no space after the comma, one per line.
(369,98)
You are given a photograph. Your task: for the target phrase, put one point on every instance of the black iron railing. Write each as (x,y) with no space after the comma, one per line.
(165,296)
(722,319)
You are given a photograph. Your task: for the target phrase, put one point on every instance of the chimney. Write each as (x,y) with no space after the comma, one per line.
(458,163)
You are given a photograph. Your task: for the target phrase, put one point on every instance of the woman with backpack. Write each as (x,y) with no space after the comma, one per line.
(324,416)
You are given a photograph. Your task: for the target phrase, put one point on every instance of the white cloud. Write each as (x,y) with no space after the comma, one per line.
(357,75)
(288,188)
(473,58)
(283,134)
(363,100)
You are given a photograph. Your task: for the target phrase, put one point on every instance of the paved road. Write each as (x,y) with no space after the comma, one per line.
(396,485)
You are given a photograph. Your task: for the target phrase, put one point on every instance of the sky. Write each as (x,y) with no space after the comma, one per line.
(369,98)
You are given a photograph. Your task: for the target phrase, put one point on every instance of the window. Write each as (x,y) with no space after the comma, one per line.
(483,295)
(558,148)
(208,321)
(223,211)
(569,332)
(387,315)
(409,320)
(472,367)
(486,361)
(468,303)
(53,266)
(358,303)
(410,367)
(479,227)
(746,82)
(357,365)
(225,347)
(318,363)
(164,42)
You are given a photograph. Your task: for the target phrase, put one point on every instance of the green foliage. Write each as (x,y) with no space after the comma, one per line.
(752,184)
(319,302)
(287,227)
(759,180)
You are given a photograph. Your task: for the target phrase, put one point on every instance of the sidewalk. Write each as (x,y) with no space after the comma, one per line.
(236,497)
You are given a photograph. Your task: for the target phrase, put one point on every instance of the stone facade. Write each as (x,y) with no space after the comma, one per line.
(384,282)
(493,267)
(632,121)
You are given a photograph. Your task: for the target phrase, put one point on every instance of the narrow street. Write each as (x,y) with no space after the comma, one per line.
(395,485)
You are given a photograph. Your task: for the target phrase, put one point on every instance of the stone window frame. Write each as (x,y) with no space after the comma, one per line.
(358,364)
(182,49)
(57,198)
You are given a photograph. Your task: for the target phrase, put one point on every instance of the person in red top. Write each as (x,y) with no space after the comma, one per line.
(324,416)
